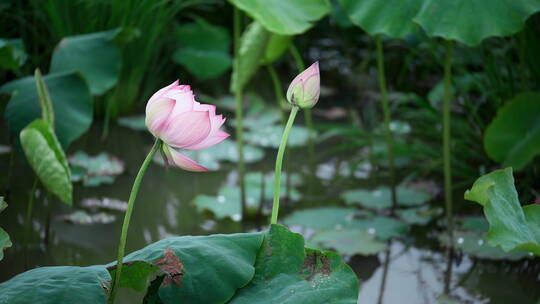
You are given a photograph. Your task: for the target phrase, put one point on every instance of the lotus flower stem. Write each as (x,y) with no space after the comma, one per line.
(239,122)
(127,217)
(279,161)
(386,113)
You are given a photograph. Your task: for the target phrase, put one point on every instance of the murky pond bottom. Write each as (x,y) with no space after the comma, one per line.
(408,272)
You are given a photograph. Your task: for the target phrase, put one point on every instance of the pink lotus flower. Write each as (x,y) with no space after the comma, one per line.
(173,115)
(305,88)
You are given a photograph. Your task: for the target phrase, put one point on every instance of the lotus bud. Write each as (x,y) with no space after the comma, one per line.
(305,88)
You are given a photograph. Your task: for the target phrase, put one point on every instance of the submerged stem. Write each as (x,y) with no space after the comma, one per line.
(386,114)
(447,155)
(127,217)
(279,161)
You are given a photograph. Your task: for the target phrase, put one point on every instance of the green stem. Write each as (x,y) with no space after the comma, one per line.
(386,114)
(127,217)
(279,161)
(447,158)
(239,121)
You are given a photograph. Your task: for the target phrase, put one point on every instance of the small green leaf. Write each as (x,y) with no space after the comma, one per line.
(47,158)
(513,137)
(250,53)
(94,55)
(289,17)
(204,49)
(72,103)
(511,226)
(62,284)
(286,273)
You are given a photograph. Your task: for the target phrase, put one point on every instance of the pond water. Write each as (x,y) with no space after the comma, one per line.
(412,269)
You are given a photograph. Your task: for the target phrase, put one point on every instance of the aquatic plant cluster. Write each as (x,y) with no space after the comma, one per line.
(238,200)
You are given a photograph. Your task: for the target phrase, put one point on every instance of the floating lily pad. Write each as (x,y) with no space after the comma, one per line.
(4,149)
(104,203)
(84,218)
(224,151)
(323,218)
(382,227)
(475,244)
(470,237)
(227,202)
(270,136)
(349,241)
(419,216)
(136,123)
(380,197)
(95,170)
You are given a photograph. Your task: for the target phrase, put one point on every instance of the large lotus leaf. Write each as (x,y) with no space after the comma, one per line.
(95,56)
(472,21)
(380,198)
(390,17)
(250,53)
(463,20)
(513,137)
(71,99)
(47,158)
(289,17)
(204,49)
(191,266)
(12,54)
(52,285)
(511,226)
(277,46)
(286,273)
(349,241)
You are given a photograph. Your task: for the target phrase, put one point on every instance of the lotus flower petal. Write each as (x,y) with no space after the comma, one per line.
(186,129)
(181,161)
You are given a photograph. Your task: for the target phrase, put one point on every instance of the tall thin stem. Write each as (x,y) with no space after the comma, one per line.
(239,115)
(127,217)
(447,152)
(279,161)
(386,114)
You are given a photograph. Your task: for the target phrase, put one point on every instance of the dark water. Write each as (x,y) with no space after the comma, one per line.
(414,272)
